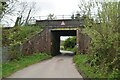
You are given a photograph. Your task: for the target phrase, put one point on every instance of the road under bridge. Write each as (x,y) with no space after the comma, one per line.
(49,39)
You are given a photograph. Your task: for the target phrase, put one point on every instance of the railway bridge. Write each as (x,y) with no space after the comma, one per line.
(49,39)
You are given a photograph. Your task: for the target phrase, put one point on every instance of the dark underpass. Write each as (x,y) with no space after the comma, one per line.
(55,39)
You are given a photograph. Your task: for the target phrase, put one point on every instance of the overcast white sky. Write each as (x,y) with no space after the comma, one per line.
(57,7)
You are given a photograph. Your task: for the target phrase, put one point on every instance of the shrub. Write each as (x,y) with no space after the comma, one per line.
(13,38)
(70,43)
(104,32)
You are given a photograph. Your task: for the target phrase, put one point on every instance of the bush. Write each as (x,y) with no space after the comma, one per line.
(104,49)
(13,38)
(70,43)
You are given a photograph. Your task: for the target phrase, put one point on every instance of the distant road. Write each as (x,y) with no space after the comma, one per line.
(58,67)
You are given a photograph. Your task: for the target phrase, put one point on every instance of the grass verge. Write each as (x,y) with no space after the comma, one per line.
(15,65)
(85,69)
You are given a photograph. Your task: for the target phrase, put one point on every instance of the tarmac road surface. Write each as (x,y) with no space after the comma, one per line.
(60,66)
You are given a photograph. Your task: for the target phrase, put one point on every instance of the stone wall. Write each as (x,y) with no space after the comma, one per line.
(84,41)
(49,41)
(38,43)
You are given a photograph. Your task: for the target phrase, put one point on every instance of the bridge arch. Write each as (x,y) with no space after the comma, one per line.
(55,39)
(49,39)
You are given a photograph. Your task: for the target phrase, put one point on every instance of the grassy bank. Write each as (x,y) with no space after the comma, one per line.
(86,70)
(15,65)
(17,35)
(14,38)
(80,60)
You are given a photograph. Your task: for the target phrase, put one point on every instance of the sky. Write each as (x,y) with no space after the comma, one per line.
(57,7)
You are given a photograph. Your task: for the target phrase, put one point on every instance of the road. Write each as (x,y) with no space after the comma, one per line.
(58,67)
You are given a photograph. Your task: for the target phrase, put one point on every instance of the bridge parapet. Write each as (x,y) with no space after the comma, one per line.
(61,23)
(53,17)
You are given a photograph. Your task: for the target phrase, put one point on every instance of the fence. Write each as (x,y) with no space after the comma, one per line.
(56,17)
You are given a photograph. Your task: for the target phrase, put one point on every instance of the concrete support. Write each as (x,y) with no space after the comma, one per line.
(49,41)
(83,41)
(38,43)
(55,43)
(78,40)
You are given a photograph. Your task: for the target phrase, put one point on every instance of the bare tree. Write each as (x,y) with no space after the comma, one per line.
(31,12)
(51,17)
(26,12)
(7,8)
(21,13)
(2,6)
(73,16)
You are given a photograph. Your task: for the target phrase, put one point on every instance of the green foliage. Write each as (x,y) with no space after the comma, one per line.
(17,35)
(13,38)
(104,48)
(70,43)
(74,49)
(82,63)
(15,65)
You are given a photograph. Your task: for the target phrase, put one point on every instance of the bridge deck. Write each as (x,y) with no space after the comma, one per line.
(61,23)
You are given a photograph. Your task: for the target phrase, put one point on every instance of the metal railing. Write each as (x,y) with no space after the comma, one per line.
(55,17)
